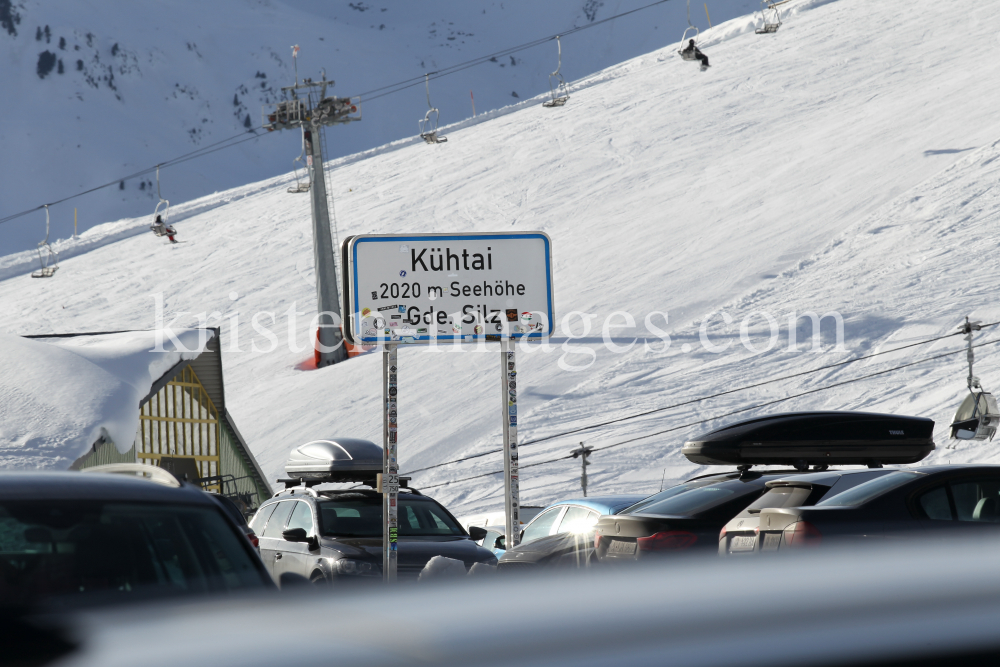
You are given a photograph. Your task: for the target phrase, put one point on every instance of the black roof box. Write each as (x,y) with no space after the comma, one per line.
(816,438)
(335,460)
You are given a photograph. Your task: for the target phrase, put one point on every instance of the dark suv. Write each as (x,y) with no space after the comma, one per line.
(336,536)
(69,539)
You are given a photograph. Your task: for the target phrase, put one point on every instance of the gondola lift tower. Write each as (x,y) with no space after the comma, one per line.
(308,109)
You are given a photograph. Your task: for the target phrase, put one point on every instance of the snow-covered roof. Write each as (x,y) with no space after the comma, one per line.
(59,395)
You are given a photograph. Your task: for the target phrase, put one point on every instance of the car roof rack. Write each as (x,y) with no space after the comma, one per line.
(153,473)
(804,439)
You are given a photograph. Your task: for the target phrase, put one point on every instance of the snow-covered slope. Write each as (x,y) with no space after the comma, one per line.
(96,91)
(800,173)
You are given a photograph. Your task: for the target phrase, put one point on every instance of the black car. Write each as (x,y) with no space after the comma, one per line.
(70,540)
(690,516)
(739,537)
(932,502)
(686,517)
(335,537)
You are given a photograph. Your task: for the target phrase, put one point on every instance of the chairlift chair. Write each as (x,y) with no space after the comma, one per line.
(160,230)
(557,84)
(688,55)
(770,17)
(299,186)
(429,125)
(978,416)
(47,258)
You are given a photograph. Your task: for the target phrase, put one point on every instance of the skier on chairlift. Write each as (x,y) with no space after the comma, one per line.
(692,52)
(160,228)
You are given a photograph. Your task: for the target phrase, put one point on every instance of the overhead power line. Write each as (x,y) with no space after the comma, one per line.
(728,414)
(696,400)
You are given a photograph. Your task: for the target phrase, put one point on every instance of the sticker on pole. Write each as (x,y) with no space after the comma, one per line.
(448,287)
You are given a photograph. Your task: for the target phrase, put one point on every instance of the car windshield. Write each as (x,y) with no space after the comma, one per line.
(91,552)
(360,515)
(693,497)
(871,489)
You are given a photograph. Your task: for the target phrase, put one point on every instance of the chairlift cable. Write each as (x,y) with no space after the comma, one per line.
(699,399)
(389,88)
(722,416)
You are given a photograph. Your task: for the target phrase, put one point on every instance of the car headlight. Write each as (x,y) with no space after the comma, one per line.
(349,566)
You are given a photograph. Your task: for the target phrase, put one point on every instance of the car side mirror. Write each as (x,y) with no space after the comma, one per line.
(295,535)
(500,543)
(477,533)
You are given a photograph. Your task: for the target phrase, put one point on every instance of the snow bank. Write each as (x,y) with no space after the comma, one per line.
(58,396)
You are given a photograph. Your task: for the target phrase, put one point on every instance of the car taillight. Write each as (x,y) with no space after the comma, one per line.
(253,539)
(802,534)
(722,534)
(669,540)
(597,540)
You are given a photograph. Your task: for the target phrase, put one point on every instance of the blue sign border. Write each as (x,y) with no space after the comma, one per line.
(367,340)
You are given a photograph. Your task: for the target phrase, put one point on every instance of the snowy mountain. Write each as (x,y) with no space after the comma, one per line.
(798,175)
(99,91)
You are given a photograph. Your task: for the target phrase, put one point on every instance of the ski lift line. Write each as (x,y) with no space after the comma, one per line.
(458,67)
(698,399)
(395,88)
(722,416)
(201,152)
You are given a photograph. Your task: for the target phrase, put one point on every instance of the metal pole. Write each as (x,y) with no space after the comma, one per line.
(328,295)
(390,467)
(508,400)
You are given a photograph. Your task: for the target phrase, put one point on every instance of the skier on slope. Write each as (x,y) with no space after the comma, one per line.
(160,228)
(692,52)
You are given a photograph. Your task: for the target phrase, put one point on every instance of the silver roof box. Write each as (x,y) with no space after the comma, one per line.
(335,460)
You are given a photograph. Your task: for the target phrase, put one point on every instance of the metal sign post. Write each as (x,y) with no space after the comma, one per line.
(508,399)
(389,479)
(428,288)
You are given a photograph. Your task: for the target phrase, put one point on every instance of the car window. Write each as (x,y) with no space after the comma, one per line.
(276,523)
(116,552)
(935,504)
(870,490)
(781,496)
(977,500)
(669,493)
(490,540)
(541,525)
(260,520)
(577,520)
(360,515)
(698,499)
(301,518)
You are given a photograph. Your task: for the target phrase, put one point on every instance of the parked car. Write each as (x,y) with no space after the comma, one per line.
(236,514)
(739,536)
(495,524)
(931,502)
(335,537)
(562,535)
(686,517)
(691,515)
(69,539)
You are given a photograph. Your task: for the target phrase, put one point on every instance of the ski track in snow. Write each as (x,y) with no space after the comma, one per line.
(798,174)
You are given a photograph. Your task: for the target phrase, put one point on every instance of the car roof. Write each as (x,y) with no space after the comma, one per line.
(72,485)
(602,504)
(822,476)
